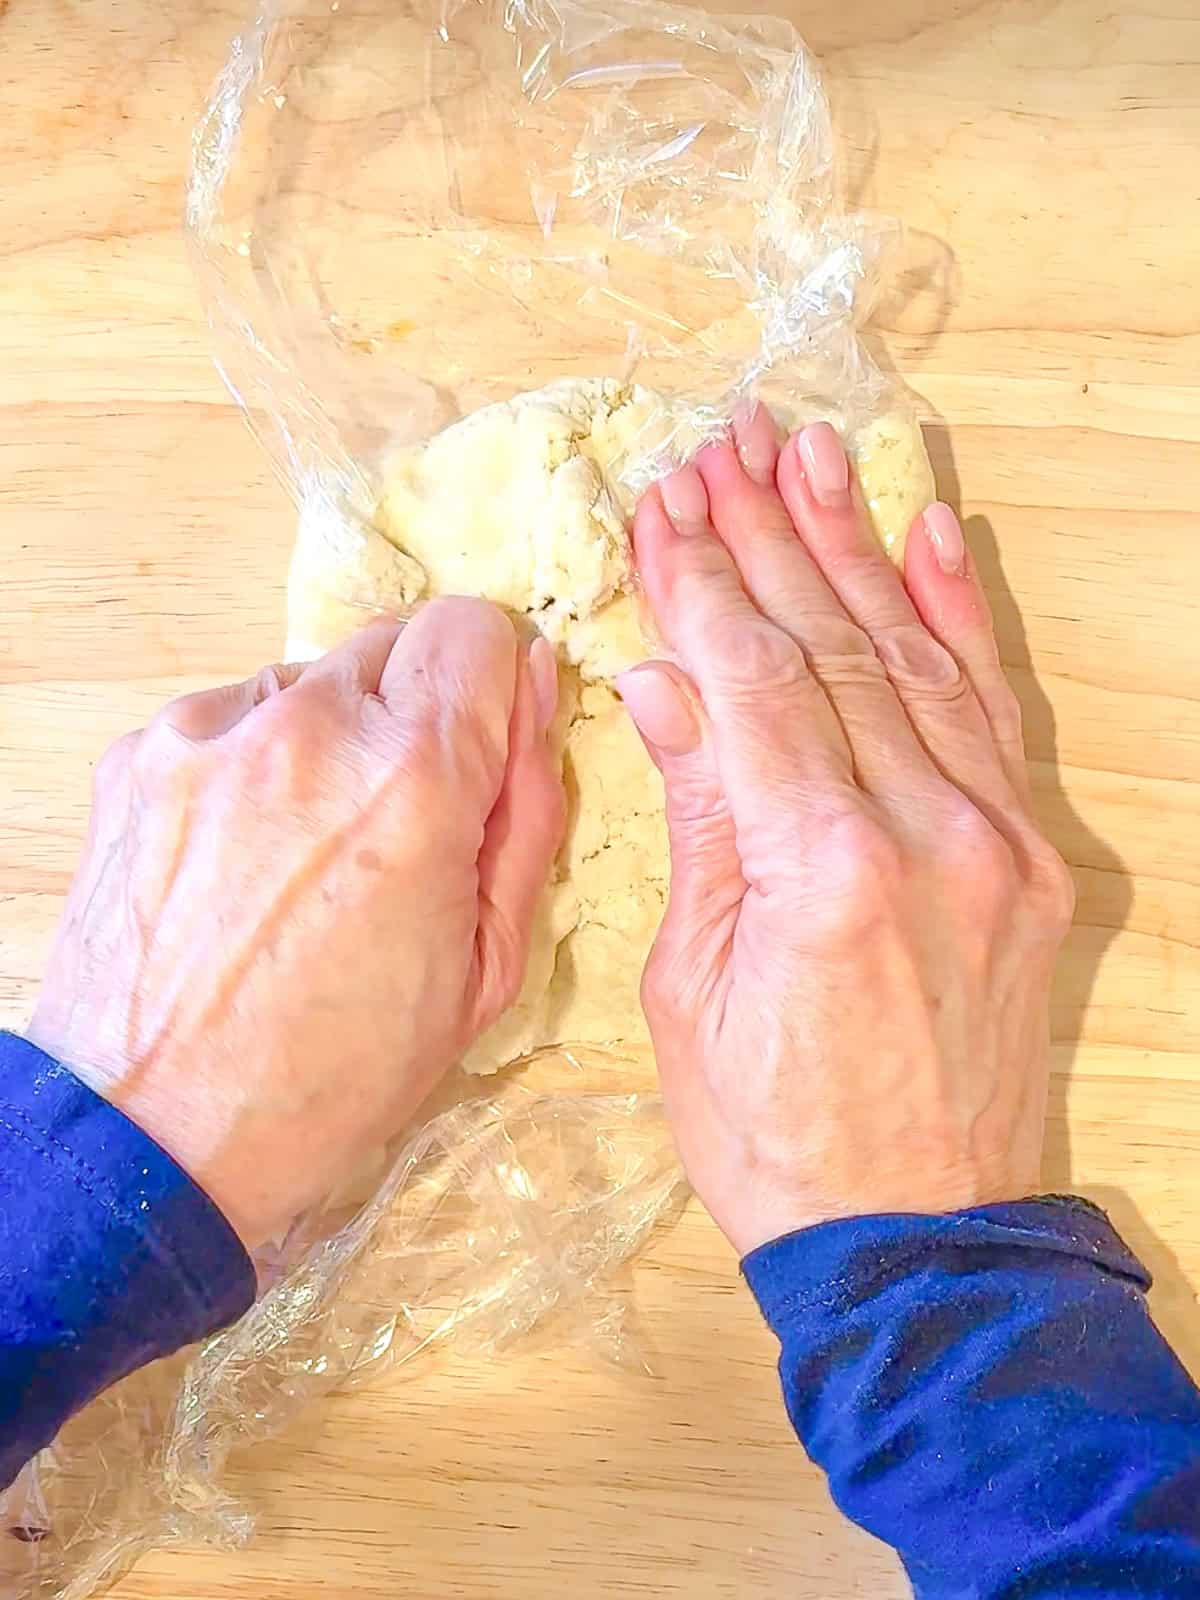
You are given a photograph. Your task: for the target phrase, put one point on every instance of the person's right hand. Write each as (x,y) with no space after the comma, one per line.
(304,897)
(849,994)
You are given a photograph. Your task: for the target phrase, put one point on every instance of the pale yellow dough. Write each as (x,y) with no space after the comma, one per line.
(895,477)
(522,502)
(528,504)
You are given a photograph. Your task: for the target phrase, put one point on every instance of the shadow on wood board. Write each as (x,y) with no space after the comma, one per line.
(1173,1300)
(1058,818)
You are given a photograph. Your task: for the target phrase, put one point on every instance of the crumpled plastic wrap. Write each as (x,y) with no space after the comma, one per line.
(406,210)
(507,1209)
(403,210)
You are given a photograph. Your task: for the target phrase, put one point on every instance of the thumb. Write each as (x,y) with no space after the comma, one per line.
(520,840)
(707,885)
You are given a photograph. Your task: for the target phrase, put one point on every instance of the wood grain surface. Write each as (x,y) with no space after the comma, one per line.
(1044,154)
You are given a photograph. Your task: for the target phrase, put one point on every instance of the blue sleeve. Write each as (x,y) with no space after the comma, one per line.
(109,1254)
(987,1394)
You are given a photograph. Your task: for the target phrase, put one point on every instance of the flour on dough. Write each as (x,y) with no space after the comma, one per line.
(527,503)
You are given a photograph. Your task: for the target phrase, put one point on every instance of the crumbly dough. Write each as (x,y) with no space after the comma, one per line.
(526,502)
(521,502)
(895,476)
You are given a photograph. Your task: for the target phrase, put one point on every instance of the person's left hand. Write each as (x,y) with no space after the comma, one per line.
(304,897)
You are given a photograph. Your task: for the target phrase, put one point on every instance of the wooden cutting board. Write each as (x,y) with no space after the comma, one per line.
(1043,152)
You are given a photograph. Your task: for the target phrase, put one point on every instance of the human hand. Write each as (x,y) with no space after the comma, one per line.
(303,897)
(849,995)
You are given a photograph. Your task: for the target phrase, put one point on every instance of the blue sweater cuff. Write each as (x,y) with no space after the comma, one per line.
(835,1265)
(987,1393)
(110,1256)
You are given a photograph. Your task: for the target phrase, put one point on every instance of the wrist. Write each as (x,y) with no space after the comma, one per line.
(170,1106)
(751,1220)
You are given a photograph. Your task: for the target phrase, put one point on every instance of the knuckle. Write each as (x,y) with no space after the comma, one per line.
(1053,887)
(839,648)
(977,854)
(164,762)
(1005,716)
(706,590)
(864,569)
(826,634)
(161,746)
(861,869)
(918,665)
(703,566)
(746,652)
(305,720)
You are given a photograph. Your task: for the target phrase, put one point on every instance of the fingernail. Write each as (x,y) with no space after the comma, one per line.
(945,534)
(757,439)
(825,466)
(686,500)
(661,709)
(543,673)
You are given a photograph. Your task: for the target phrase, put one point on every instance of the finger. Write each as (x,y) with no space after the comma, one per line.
(521,839)
(212,712)
(707,884)
(448,685)
(943,583)
(778,744)
(356,666)
(786,584)
(936,696)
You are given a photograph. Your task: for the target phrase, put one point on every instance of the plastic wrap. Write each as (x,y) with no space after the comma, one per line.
(406,210)
(402,211)
(506,1210)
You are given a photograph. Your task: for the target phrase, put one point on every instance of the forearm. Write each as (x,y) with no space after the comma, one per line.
(110,1257)
(988,1394)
